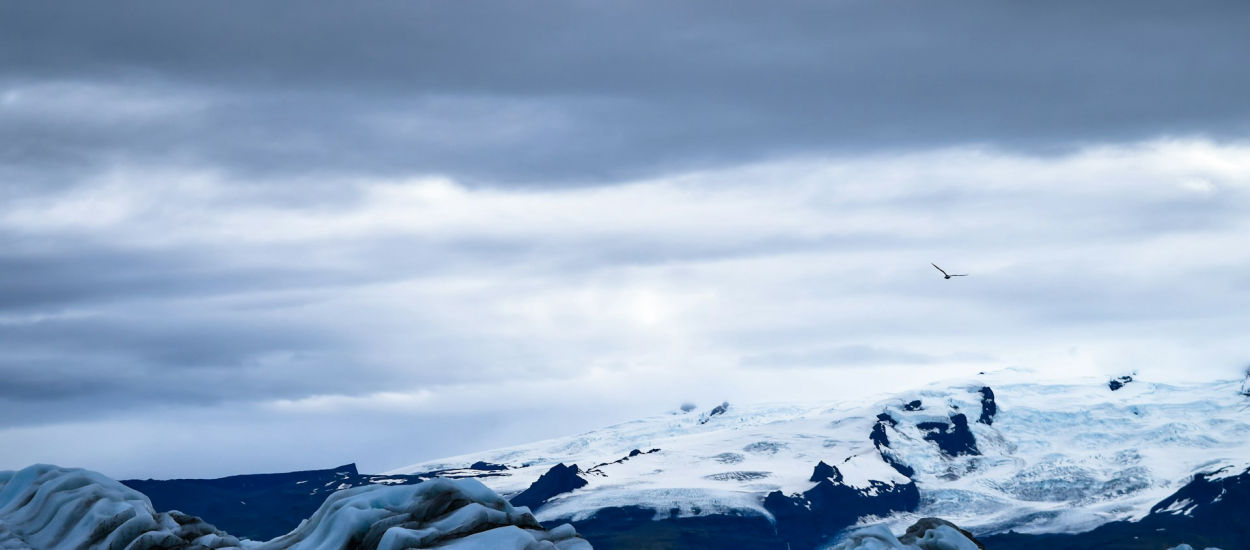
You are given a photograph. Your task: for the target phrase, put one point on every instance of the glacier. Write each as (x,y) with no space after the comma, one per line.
(1002,452)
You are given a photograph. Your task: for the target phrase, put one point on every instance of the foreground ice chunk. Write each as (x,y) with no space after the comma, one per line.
(46,508)
(441,513)
(931,535)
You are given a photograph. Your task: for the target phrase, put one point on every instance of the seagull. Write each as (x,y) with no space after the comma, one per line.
(948,275)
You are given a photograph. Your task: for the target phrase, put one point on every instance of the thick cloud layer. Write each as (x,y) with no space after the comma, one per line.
(392,231)
(571,92)
(426,303)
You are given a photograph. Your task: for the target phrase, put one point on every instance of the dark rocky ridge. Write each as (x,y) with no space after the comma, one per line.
(824,471)
(263,506)
(816,516)
(954,439)
(803,521)
(257,506)
(989,407)
(898,465)
(635,527)
(636,452)
(558,480)
(716,411)
(881,440)
(878,435)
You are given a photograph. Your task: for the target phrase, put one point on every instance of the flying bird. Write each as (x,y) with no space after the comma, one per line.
(945,274)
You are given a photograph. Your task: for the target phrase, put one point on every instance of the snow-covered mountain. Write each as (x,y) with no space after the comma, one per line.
(1082,465)
(991,454)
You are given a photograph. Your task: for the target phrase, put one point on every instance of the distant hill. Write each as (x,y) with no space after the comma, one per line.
(264,506)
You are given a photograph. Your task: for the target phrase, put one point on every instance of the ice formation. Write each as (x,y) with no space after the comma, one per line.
(451,514)
(935,537)
(45,507)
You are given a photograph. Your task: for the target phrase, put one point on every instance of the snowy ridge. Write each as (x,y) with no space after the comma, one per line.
(1057,457)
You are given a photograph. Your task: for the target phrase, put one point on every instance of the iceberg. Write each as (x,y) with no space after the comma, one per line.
(45,507)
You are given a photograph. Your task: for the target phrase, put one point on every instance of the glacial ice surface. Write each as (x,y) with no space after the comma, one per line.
(1059,456)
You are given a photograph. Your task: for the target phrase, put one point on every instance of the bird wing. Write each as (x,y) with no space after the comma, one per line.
(937,268)
(959,275)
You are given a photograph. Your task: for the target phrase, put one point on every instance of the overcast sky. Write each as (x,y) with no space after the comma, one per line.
(272,236)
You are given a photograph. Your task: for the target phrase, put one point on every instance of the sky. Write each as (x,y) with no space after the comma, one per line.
(275,236)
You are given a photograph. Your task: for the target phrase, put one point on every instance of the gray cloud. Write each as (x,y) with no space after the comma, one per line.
(570,93)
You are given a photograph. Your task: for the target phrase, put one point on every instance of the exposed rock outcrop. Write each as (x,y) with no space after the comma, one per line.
(559,479)
(954,439)
(881,440)
(809,519)
(716,411)
(989,407)
(824,471)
